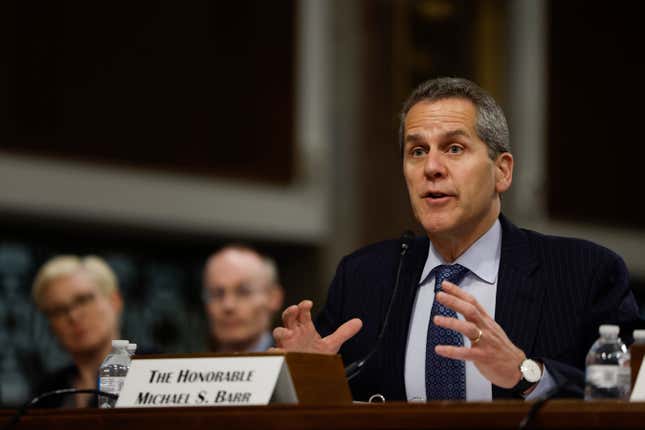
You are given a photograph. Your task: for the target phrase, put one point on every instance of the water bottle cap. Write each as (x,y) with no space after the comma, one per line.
(609,330)
(119,343)
(639,335)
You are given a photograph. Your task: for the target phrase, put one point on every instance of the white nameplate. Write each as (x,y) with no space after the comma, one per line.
(207,381)
(638,393)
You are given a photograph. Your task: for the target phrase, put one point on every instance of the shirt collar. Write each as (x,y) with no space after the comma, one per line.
(265,342)
(482,258)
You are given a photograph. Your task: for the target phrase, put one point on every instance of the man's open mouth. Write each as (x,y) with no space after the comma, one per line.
(435,195)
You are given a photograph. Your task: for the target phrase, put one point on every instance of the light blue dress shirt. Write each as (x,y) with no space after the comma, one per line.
(265,342)
(482,261)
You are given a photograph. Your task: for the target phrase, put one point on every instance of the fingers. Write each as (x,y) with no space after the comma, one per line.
(290,316)
(467,328)
(296,320)
(454,290)
(459,352)
(466,306)
(299,332)
(304,312)
(344,333)
(280,334)
(299,314)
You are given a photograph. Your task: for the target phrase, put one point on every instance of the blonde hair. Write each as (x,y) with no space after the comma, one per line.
(67,265)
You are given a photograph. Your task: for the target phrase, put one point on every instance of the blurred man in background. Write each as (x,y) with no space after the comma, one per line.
(81,300)
(241,295)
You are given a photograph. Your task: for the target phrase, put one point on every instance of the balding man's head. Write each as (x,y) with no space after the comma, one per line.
(241,295)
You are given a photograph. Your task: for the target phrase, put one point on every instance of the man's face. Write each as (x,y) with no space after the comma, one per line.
(452,182)
(240,302)
(82,318)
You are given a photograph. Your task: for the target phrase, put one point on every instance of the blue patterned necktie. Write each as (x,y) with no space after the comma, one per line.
(445,377)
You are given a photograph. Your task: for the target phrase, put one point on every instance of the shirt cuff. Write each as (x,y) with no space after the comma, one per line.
(544,385)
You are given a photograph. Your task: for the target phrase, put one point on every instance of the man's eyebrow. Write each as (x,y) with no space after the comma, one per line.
(243,284)
(414,137)
(456,133)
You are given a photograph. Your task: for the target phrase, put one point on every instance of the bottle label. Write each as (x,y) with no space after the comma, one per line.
(608,375)
(624,376)
(111,384)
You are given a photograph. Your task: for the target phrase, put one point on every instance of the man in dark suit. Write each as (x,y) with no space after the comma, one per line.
(483,309)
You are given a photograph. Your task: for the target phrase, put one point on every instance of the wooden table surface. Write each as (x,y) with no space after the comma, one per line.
(557,414)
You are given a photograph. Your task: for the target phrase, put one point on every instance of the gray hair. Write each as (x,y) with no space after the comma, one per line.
(491,126)
(268,264)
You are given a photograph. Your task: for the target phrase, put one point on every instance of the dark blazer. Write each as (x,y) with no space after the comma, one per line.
(552,294)
(64,378)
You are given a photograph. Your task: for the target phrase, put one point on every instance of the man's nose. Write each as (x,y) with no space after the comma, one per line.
(72,313)
(434,166)
(229,301)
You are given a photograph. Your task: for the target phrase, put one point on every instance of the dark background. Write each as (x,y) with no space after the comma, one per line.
(199,86)
(595,116)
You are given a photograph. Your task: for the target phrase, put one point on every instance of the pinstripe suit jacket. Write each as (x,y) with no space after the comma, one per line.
(552,294)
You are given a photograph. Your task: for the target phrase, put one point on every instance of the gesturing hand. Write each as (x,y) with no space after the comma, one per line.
(496,357)
(300,335)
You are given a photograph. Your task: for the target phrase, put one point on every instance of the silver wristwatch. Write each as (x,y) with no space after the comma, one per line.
(531,374)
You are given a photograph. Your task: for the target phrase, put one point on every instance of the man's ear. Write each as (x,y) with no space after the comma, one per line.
(503,172)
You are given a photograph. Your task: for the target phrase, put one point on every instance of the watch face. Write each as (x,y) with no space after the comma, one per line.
(531,370)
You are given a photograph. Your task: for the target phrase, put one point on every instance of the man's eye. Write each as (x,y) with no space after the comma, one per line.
(455,149)
(418,152)
(83,299)
(218,294)
(243,291)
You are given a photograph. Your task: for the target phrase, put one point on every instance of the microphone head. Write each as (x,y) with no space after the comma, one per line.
(406,238)
(407,235)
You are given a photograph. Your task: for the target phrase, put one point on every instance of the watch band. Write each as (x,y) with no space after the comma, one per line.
(522,386)
(528,369)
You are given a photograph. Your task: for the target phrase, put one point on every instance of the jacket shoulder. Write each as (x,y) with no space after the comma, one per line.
(385,250)
(560,246)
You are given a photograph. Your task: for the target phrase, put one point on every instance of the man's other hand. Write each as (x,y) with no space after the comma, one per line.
(300,335)
(496,357)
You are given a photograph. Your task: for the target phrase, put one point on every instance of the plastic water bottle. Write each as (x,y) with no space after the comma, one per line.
(113,371)
(131,348)
(608,374)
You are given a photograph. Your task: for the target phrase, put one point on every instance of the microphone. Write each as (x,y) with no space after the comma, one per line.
(527,421)
(355,368)
(62,392)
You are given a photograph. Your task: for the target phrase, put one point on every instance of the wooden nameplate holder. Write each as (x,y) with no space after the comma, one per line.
(235,379)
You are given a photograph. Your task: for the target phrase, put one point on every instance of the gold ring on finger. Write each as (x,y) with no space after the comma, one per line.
(478,338)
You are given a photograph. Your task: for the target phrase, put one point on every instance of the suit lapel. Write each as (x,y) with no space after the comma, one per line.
(519,293)
(397,334)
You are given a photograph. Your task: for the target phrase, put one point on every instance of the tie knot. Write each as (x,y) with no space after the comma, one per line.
(453,273)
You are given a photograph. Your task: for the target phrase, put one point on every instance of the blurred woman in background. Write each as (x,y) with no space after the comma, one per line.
(81,300)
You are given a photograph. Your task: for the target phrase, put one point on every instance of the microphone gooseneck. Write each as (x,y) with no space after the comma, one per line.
(62,392)
(528,419)
(355,368)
